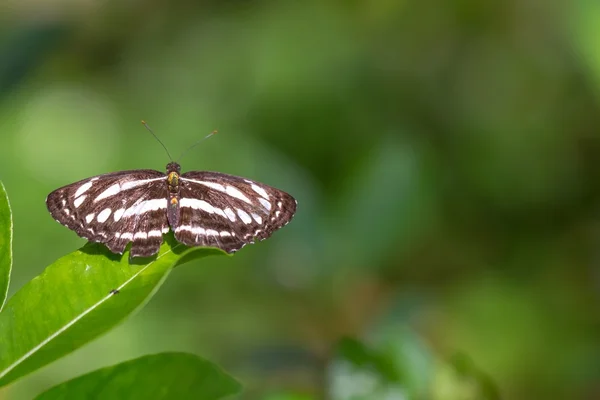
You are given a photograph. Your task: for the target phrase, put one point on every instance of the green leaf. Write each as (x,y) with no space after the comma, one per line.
(157,376)
(71,303)
(5,244)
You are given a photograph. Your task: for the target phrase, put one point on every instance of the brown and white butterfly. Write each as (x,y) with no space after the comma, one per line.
(139,206)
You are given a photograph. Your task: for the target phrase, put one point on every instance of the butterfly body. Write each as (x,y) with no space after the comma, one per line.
(173,170)
(202,208)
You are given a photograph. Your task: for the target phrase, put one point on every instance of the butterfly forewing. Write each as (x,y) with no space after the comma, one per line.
(115,209)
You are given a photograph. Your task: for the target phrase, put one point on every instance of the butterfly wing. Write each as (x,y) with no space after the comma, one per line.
(115,209)
(228,212)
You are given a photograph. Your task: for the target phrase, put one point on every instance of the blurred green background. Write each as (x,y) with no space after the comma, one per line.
(445,157)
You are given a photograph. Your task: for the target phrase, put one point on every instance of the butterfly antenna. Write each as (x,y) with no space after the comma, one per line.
(156,137)
(196,144)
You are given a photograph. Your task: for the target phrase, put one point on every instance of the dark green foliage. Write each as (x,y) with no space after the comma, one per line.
(443,153)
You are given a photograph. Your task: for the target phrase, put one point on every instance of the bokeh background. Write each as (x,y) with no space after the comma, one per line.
(445,157)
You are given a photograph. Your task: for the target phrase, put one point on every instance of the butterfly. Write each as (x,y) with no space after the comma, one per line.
(202,208)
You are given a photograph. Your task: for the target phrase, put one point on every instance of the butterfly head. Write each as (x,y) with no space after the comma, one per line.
(173,167)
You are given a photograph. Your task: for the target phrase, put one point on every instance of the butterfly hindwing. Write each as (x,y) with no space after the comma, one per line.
(115,209)
(228,211)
